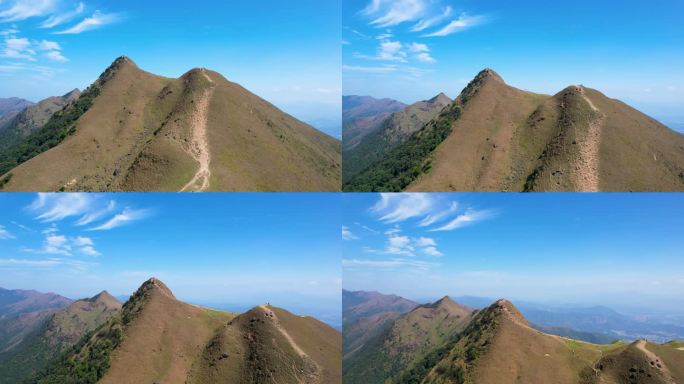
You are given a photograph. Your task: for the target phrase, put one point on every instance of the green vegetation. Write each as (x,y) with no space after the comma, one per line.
(392,131)
(403,164)
(407,161)
(60,126)
(87,361)
(453,362)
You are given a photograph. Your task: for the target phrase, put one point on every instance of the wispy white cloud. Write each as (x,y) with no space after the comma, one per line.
(388,263)
(422,53)
(46,45)
(397,207)
(470,217)
(9,32)
(347,234)
(425,58)
(439,215)
(18,48)
(127,216)
(400,244)
(19,10)
(5,234)
(96,214)
(97,20)
(391,51)
(29,263)
(56,56)
(51,207)
(387,13)
(23,227)
(426,242)
(85,245)
(55,243)
(366,228)
(432,251)
(71,264)
(429,22)
(460,24)
(63,17)
(370,69)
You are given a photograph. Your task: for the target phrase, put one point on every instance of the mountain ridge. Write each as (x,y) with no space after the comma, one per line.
(495,137)
(167,133)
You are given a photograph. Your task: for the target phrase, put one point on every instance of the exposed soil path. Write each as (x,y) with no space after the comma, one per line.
(287,336)
(587,167)
(199,148)
(655,361)
(312,375)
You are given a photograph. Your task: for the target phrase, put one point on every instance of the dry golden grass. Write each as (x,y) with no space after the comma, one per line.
(137,136)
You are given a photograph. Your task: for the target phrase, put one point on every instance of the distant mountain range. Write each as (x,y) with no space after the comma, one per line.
(135,131)
(32,118)
(446,342)
(494,137)
(387,131)
(153,337)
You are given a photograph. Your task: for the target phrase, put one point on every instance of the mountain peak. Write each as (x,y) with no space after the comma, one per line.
(446,300)
(487,74)
(105,298)
(506,308)
(72,95)
(156,285)
(123,60)
(441,98)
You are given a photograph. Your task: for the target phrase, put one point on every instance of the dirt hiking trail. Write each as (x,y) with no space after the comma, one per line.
(311,374)
(199,148)
(588,163)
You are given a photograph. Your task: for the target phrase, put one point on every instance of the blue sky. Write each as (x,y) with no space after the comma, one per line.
(413,49)
(287,55)
(228,250)
(619,250)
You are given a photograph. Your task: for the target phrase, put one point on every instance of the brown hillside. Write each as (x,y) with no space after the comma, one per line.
(199,132)
(270,345)
(161,338)
(58,333)
(409,339)
(636,364)
(578,140)
(394,130)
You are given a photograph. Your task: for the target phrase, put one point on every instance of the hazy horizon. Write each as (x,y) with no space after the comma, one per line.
(616,250)
(412,50)
(234,249)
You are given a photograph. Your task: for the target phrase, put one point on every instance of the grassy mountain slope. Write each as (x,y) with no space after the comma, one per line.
(257,147)
(155,338)
(132,130)
(408,340)
(361,115)
(33,118)
(22,312)
(402,165)
(499,346)
(269,344)
(367,314)
(9,108)
(393,131)
(358,304)
(640,362)
(495,137)
(13,104)
(62,330)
